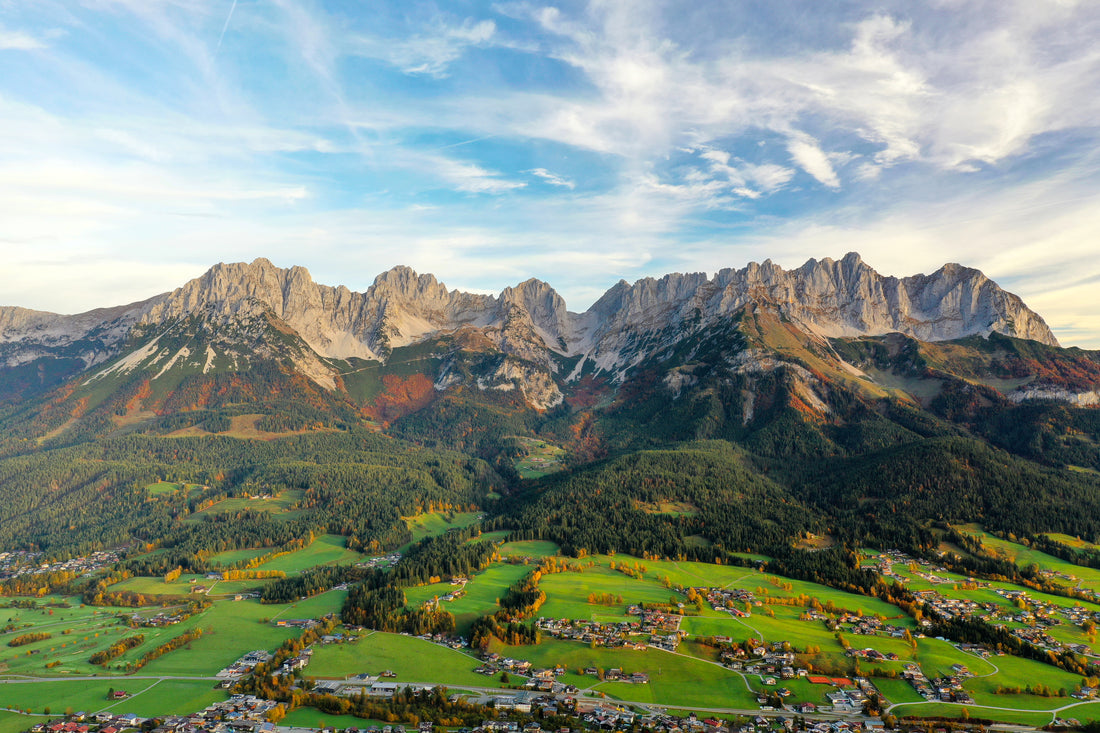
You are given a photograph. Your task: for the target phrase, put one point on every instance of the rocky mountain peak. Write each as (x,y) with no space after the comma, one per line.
(629,323)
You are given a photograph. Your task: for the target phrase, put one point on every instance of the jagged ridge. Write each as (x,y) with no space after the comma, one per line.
(531,323)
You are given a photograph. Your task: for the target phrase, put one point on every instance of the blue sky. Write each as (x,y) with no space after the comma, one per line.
(142,141)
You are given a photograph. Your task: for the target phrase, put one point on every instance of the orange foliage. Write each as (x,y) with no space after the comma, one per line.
(144,391)
(586,444)
(587,393)
(401,397)
(80,407)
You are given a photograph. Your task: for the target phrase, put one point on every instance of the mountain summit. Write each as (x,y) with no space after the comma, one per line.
(238,313)
(829,297)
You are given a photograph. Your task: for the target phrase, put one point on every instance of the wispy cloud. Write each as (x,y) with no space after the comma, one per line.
(469,177)
(19,41)
(806,152)
(551,178)
(518,139)
(429,53)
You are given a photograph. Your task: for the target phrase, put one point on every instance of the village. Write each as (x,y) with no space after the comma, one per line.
(18,564)
(661,628)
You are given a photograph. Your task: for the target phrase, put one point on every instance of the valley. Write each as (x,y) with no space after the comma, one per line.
(703,497)
(746,640)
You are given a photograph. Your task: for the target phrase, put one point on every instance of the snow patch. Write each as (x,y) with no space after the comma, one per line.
(130,362)
(183,353)
(210,355)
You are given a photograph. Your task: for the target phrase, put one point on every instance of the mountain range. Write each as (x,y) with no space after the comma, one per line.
(220,321)
(778,403)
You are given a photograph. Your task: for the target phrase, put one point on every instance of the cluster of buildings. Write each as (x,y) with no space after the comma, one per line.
(872,655)
(492,664)
(294,664)
(380,561)
(949,608)
(611,635)
(1034,616)
(871,626)
(943,689)
(163,618)
(766,660)
(735,601)
(244,665)
(545,680)
(452,642)
(366,684)
(847,701)
(239,714)
(16,564)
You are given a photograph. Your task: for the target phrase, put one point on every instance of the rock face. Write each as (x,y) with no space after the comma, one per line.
(530,322)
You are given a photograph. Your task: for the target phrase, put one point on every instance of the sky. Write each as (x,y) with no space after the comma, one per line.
(142,141)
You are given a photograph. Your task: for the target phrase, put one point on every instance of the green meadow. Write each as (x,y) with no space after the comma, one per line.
(279,504)
(328,549)
(482,592)
(529,548)
(431,524)
(414,660)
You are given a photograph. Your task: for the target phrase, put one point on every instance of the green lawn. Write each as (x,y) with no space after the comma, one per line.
(233,628)
(674,678)
(162,488)
(328,549)
(482,592)
(230,557)
(435,523)
(414,660)
(1084,711)
(77,633)
(939,709)
(279,504)
(567,593)
(314,718)
(166,697)
(542,458)
(1024,556)
(14,723)
(89,695)
(529,548)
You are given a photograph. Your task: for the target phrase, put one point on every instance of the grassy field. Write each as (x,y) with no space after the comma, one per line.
(938,709)
(328,549)
(542,458)
(14,722)
(234,628)
(529,548)
(436,523)
(233,556)
(674,678)
(148,697)
(414,660)
(1024,556)
(77,633)
(688,677)
(482,592)
(167,697)
(1075,542)
(165,487)
(313,718)
(278,504)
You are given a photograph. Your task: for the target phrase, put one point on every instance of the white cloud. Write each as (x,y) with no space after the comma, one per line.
(552,178)
(431,53)
(809,156)
(468,177)
(19,41)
